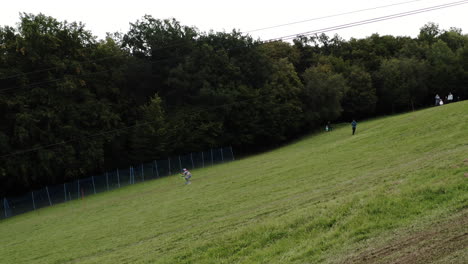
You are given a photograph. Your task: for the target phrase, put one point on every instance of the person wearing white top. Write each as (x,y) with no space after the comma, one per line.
(187,175)
(449,98)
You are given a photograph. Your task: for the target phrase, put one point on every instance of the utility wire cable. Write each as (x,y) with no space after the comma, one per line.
(369,21)
(177,43)
(330,16)
(286,37)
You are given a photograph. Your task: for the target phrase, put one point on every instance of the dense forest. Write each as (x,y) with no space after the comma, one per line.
(72,105)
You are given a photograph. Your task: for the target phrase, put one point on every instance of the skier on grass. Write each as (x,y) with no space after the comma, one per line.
(187,175)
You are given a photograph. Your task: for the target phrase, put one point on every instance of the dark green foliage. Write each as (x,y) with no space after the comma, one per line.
(403,82)
(360,98)
(72,105)
(322,94)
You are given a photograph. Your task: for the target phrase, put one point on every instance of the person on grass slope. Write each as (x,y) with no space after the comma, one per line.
(187,175)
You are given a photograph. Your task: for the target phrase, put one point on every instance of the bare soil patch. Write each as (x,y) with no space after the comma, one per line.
(425,246)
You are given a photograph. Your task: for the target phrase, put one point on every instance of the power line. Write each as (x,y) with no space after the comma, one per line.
(288,37)
(177,43)
(330,16)
(413,12)
(369,21)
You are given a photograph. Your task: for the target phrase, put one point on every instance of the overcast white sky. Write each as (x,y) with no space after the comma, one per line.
(109,16)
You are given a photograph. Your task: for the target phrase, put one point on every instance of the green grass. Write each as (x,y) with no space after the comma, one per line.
(321,199)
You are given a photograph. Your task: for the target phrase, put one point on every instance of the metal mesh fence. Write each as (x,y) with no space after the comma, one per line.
(3,213)
(113,179)
(86,187)
(163,167)
(100,181)
(186,161)
(50,195)
(57,193)
(218,156)
(228,155)
(72,190)
(175,165)
(124,177)
(19,204)
(2,209)
(208,158)
(198,160)
(149,171)
(41,198)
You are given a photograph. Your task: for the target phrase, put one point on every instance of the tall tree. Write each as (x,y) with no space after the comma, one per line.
(404,84)
(360,99)
(323,91)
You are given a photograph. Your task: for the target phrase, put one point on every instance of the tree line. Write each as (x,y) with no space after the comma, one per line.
(73,105)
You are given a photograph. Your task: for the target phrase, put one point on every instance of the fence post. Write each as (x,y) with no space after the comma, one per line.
(107,181)
(5,206)
(156,167)
(142,173)
(232,153)
(118,178)
(191,157)
(211,157)
(131,174)
(203,160)
(222,156)
(78,193)
(34,204)
(169,160)
(94,186)
(65,192)
(48,196)
(180,164)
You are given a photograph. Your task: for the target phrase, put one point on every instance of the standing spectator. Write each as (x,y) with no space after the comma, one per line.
(328,127)
(449,98)
(437,100)
(354,125)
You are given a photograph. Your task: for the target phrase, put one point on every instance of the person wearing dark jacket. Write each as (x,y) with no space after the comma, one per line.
(354,125)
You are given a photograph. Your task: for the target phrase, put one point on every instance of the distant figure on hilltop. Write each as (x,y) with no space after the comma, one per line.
(354,125)
(328,127)
(187,175)
(449,98)
(437,100)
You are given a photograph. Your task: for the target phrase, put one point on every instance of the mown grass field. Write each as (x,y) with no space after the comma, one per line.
(397,191)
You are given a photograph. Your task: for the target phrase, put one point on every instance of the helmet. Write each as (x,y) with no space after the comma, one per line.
(184,169)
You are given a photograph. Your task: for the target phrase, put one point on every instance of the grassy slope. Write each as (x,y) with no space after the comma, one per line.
(331,197)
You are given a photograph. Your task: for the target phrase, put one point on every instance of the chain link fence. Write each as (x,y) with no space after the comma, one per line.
(51,195)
